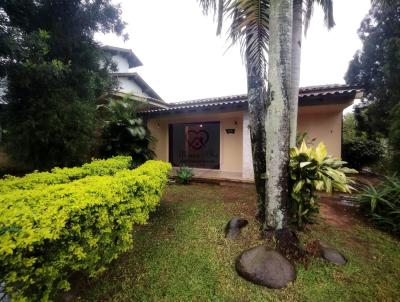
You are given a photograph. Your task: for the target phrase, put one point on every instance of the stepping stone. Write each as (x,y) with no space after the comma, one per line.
(333,255)
(234,226)
(265,267)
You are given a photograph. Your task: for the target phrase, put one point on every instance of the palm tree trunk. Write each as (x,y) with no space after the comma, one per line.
(277,114)
(295,75)
(256,94)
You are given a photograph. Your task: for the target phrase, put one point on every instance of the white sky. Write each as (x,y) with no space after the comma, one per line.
(183,59)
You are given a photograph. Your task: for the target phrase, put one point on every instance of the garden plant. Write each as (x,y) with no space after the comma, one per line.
(49,232)
(184,175)
(313,170)
(381,204)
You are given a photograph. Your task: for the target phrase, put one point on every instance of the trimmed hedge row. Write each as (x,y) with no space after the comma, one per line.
(65,175)
(48,232)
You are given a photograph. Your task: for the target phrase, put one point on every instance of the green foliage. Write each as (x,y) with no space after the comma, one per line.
(184,175)
(394,140)
(124,133)
(350,131)
(54,77)
(375,68)
(64,175)
(382,204)
(303,136)
(359,150)
(78,226)
(312,170)
(362,152)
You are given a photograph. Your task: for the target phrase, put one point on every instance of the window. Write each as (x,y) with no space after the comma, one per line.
(195,145)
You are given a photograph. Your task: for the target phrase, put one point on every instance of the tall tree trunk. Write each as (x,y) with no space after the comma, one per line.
(295,74)
(277,114)
(256,94)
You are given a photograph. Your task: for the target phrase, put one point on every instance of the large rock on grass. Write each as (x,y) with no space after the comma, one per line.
(333,255)
(233,227)
(320,249)
(265,267)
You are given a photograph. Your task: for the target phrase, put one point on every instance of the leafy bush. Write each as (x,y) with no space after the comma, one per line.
(49,232)
(64,175)
(184,175)
(124,132)
(394,139)
(362,152)
(382,204)
(360,149)
(312,170)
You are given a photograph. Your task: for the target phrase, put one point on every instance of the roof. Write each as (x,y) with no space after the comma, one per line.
(142,84)
(327,90)
(310,95)
(151,102)
(133,60)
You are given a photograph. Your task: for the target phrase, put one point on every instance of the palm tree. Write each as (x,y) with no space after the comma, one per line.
(285,33)
(277,124)
(302,13)
(249,27)
(250,22)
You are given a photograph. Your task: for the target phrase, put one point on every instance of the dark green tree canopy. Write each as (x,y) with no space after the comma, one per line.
(54,76)
(376,68)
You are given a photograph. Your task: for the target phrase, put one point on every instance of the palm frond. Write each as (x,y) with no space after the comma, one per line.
(208,6)
(216,8)
(327,7)
(249,25)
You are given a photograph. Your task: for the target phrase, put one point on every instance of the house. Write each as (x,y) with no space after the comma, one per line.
(131,84)
(212,135)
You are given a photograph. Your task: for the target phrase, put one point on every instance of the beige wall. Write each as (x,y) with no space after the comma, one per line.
(323,123)
(231,145)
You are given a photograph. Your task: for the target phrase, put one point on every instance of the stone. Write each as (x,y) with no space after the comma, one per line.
(265,267)
(333,255)
(234,226)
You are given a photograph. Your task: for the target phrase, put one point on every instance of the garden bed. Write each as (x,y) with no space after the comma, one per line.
(182,255)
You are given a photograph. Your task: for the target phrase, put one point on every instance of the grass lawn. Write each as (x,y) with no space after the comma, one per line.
(182,255)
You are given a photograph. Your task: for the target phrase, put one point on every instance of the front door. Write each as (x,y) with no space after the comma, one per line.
(195,145)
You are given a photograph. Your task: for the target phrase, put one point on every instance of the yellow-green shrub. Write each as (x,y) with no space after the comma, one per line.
(65,175)
(48,232)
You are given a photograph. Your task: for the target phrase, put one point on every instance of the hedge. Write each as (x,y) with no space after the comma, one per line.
(65,175)
(46,233)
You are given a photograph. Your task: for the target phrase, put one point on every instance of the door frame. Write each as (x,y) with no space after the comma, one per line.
(170,140)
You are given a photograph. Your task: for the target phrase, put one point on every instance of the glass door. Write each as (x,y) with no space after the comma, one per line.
(196,145)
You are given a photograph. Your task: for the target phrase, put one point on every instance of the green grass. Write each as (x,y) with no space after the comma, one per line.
(182,255)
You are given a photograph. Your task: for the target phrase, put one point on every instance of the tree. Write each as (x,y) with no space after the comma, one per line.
(277,114)
(54,77)
(302,13)
(376,68)
(249,27)
(250,21)
(357,150)
(394,139)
